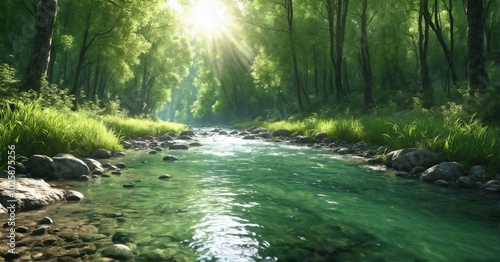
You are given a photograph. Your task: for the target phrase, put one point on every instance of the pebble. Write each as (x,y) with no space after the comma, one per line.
(84,178)
(49,242)
(11,256)
(165,176)
(22,229)
(97,172)
(121,165)
(152,152)
(40,231)
(116,173)
(170,158)
(129,186)
(105,165)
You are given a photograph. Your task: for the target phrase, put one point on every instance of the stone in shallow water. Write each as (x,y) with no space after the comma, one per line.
(73,195)
(22,229)
(40,231)
(165,176)
(46,220)
(152,152)
(116,173)
(178,147)
(49,241)
(129,186)
(121,165)
(11,256)
(170,158)
(118,251)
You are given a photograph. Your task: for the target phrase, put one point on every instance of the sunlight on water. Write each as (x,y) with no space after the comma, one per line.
(250,200)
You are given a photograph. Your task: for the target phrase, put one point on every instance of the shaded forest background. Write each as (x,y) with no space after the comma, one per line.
(271,60)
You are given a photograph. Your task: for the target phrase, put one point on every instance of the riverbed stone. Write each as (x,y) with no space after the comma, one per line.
(448,171)
(170,158)
(40,230)
(30,193)
(249,137)
(101,154)
(282,132)
(408,158)
(152,152)
(266,135)
(118,251)
(40,166)
(121,165)
(93,164)
(223,133)
(187,133)
(165,176)
(321,136)
(305,140)
(128,185)
(195,144)
(465,182)
(46,220)
(183,137)
(178,147)
(73,195)
(477,173)
(69,167)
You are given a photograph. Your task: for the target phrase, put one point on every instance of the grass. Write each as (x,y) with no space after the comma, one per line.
(469,142)
(131,127)
(36,130)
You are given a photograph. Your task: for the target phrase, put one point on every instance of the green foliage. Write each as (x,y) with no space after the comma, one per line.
(49,131)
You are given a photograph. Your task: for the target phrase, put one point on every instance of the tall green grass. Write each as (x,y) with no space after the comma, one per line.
(469,142)
(131,127)
(36,130)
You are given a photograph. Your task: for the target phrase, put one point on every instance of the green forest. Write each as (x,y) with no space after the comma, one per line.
(399,73)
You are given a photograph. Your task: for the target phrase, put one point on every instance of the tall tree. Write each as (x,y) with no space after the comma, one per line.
(477,77)
(423,44)
(39,61)
(364,56)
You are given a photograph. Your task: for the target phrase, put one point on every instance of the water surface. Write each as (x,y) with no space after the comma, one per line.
(251,200)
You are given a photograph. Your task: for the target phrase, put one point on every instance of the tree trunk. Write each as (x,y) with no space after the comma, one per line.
(475,42)
(365,57)
(296,74)
(423,44)
(39,61)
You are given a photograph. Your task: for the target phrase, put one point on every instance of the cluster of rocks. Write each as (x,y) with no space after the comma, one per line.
(410,162)
(155,144)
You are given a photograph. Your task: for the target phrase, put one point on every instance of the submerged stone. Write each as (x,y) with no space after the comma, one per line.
(118,251)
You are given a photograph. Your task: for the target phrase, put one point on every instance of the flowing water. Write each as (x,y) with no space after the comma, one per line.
(251,200)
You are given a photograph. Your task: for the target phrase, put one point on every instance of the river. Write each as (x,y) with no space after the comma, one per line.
(251,200)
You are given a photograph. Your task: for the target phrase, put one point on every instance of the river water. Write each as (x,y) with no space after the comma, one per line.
(251,200)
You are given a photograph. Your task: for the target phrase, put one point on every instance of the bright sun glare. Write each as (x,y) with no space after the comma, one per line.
(209,16)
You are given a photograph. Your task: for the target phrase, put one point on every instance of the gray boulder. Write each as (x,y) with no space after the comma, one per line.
(249,137)
(465,181)
(101,154)
(93,164)
(178,147)
(321,136)
(305,140)
(73,195)
(40,166)
(282,132)
(69,167)
(409,158)
(448,171)
(477,173)
(119,252)
(266,135)
(30,193)
(187,133)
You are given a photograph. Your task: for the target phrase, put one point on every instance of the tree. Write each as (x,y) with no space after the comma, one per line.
(39,61)
(364,56)
(477,77)
(423,44)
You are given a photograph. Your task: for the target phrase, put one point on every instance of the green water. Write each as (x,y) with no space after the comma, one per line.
(241,200)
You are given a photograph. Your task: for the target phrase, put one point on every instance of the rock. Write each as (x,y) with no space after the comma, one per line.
(249,137)
(112,167)
(116,172)
(448,171)
(170,158)
(305,140)
(465,182)
(49,241)
(490,183)
(118,154)
(178,147)
(223,133)
(69,167)
(30,193)
(40,166)
(244,133)
(126,144)
(165,138)
(195,144)
(84,178)
(121,165)
(215,130)
(256,130)
(295,134)
(119,252)
(40,231)
(442,183)
(266,135)
(101,154)
(165,176)
(282,132)
(345,151)
(121,238)
(73,195)
(46,220)
(187,133)
(9,256)
(158,149)
(234,132)
(97,172)
(184,138)
(22,229)
(408,158)
(321,136)
(20,168)
(129,186)
(153,152)
(375,161)
(107,165)
(93,164)
(417,170)
(477,173)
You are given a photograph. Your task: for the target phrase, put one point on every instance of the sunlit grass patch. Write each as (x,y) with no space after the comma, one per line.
(131,127)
